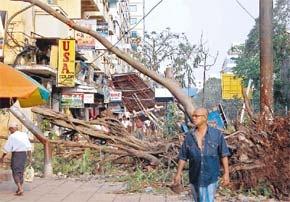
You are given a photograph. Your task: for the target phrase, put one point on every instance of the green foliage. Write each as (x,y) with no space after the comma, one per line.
(75,166)
(171,127)
(248,63)
(38,158)
(67,166)
(45,125)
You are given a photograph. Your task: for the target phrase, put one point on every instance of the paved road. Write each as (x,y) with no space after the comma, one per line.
(73,190)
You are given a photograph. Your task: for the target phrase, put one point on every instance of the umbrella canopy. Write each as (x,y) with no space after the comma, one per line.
(17,85)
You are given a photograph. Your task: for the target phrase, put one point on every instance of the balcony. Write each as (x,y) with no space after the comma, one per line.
(89,5)
(101,13)
(44,70)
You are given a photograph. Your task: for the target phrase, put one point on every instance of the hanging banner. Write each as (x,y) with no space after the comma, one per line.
(66,63)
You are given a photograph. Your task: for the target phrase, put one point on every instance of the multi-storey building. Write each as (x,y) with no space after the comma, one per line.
(32,47)
(137,20)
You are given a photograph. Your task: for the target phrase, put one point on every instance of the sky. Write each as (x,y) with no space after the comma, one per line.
(222,22)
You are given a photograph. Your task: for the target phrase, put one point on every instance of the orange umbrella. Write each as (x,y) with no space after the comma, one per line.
(17,85)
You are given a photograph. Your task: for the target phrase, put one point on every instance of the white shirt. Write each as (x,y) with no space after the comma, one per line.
(17,141)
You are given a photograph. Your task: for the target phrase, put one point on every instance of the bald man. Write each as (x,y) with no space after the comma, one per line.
(204,147)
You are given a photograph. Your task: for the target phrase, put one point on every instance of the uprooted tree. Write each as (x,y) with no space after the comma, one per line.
(251,145)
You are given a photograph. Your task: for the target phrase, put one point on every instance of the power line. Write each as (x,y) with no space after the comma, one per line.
(241,5)
(128,31)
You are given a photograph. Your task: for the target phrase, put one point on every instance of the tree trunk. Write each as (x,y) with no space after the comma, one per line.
(38,134)
(170,84)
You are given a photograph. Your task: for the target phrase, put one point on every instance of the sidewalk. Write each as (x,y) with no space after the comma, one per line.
(73,190)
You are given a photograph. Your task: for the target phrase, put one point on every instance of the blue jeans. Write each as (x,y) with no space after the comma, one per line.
(204,194)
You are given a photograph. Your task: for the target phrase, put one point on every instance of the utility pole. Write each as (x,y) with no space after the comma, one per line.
(266,58)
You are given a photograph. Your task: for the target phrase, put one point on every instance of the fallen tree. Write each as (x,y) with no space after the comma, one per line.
(119,141)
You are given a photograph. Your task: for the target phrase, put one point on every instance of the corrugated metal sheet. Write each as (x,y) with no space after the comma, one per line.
(135,92)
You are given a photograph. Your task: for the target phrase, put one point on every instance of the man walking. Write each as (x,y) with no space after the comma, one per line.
(204,146)
(17,143)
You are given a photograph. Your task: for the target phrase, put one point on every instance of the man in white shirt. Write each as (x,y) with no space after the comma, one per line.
(19,145)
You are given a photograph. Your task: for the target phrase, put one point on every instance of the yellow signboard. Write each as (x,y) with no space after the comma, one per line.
(231,87)
(66,63)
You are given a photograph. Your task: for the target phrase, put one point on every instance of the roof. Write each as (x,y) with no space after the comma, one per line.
(134,91)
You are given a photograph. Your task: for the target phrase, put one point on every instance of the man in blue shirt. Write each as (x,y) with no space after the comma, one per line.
(204,147)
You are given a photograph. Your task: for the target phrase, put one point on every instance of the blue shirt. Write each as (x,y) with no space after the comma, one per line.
(204,166)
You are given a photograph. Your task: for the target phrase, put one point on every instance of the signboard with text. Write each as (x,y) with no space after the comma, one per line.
(66,63)
(89,98)
(73,100)
(103,29)
(115,96)
(231,87)
(85,41)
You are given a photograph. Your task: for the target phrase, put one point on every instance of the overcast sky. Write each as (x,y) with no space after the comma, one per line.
(223,22)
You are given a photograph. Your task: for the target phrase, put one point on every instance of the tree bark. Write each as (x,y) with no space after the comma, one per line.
(38,134)
(170,84)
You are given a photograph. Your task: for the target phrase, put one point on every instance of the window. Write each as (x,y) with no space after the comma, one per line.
(132,8)
(133,21)
(134,34)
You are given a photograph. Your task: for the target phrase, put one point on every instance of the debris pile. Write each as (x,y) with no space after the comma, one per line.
(261,156)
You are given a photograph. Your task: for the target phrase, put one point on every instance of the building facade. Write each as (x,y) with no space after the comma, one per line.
(137,20)
(35,48)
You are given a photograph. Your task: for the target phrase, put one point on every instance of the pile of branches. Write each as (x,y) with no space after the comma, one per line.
(117,139)
(261,156)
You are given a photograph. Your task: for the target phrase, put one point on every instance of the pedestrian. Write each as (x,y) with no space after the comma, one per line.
(139,130)
(204,147)
(19,145)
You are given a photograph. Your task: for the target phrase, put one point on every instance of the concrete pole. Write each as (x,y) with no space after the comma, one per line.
(266,58)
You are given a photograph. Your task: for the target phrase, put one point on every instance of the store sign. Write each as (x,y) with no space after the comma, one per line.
(73,100)
(66,63)
(115,96)
(85,41)
(103,29)
(89,99)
